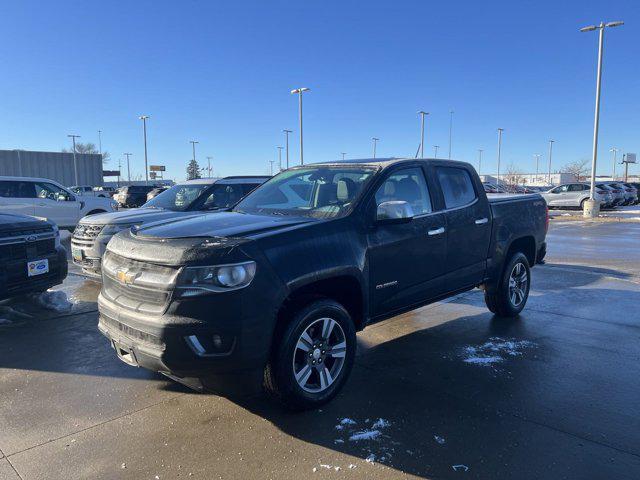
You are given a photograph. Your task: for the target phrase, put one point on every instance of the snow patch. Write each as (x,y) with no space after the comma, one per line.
(439,440)
(365,435)
(496,350)
(381,423)
(55,300)
(347,421)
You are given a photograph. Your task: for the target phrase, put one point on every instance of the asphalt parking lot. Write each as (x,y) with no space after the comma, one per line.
(447,391)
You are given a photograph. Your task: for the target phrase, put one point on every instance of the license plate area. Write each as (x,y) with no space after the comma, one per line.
(77,254)
(37,267)
(125,353)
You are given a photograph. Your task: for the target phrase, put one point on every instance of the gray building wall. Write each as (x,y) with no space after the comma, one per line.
(56,166)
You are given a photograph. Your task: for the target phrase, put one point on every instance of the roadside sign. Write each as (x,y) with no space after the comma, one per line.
(157,168)
(153,175)
(111,173)
(631,158)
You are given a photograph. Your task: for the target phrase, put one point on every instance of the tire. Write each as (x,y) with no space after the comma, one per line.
(501,301)
(321,375)
(582,203)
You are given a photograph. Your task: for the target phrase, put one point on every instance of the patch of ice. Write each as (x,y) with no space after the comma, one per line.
(496,350)
(371,458)
(456,468)
(338,440)
(365,435)
(381,423)
(483,360)
(55,300)
(439,439)
(347,421)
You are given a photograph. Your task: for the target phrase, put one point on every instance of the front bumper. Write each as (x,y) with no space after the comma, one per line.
(91,252)
(14,280)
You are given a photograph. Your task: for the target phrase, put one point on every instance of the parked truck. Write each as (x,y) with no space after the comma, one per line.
(278,285)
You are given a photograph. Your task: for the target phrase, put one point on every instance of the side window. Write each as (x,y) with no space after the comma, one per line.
(17,190)
(224,196)
(575,187)
(407,185)
(456,185)
(50,191)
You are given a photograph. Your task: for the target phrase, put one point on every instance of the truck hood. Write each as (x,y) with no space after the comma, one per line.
(134,215)
(11,222)
(220,224)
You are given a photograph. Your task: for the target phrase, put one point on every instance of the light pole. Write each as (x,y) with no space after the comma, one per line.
(19,163)
(193,145)
(286,135)
(209,166)
(422,115)
(435,151)
(300,91)
(614,150)
(500,130)
(75,163)
(537,157)
(450,130)
(479,160)
(271,167)
(375,144)
(551,142)
(128,166)
(146,166)
(100,142)
(592,207)
(343,154)
(280,158)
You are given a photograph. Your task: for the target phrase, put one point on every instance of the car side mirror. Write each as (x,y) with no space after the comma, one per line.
(394,211)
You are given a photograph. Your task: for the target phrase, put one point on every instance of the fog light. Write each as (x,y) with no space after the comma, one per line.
(208,346)
(217,341)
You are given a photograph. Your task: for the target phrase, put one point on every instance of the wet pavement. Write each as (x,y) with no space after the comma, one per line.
(447,391)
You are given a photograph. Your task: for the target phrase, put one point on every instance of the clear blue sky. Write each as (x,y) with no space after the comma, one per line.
(221,73)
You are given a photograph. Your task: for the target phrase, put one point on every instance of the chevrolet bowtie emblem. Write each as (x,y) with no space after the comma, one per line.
(126,277)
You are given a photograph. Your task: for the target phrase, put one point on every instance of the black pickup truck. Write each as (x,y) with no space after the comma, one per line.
(281,283)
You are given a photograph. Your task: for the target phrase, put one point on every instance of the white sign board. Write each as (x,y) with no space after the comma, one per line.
(631,158)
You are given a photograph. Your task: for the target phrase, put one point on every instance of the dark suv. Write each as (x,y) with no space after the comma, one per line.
(133,195)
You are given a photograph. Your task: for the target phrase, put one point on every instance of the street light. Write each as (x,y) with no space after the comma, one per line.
(592,207)
(100,142)
(551,142)
(209,166)
(479,160)
(271,167)
(375,143)
(280,158)
(300,91)
(75,163)
(193,145)
(422,115)
(343,154)
(146,165)
(537,157)
(128,167)
(435,151)
(614,150)
(450,130)
(286,134)
(500,130)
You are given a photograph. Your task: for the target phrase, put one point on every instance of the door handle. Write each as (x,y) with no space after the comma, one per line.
(437,231)
(482,221)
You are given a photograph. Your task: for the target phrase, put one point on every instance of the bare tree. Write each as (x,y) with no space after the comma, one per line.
(579,169)
(88,148)
(513,176)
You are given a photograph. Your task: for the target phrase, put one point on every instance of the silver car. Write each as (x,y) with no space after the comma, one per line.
(574,195)
(630,193)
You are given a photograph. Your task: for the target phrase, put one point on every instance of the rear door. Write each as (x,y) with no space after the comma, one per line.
(17,197)
(406,261)
(468,218)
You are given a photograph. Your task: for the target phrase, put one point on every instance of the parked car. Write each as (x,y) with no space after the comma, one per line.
(573,195)
(31,257)
(88,191)
(109,191)
(133,196)
(92,234)
(281,282)
(630,193)
(492,188)
(156,191)
(45,198)
(619,197)
(636,185)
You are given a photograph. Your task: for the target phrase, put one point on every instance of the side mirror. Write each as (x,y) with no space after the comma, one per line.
(394,211)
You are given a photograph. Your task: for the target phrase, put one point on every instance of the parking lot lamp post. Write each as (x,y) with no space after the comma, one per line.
(128,167)
(422,115)
(100,142)
(435,151)
(614,150)
(450,130)
(375,144)
(280,158)
(75,163)
(550,155)
(271,167)
(209,166)
(146,165)
(479,160)
(500,130)
(343,154)
(193,145)
(286,135)
(537,157)
(300,91)
(594,210)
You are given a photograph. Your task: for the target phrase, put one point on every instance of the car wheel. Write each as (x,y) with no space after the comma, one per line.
(582,203)
(512,292)
(314,356)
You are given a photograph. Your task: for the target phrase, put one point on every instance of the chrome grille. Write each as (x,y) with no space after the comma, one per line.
(86,231)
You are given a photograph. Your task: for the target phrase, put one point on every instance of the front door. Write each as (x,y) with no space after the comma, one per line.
(406,261)
(56,204)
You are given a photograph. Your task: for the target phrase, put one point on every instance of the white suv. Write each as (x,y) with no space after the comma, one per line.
(45,198)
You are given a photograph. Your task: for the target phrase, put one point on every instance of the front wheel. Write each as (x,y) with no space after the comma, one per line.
(512,292)
(314,356)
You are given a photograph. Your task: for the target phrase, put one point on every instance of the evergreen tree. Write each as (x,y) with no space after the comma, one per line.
(193,170)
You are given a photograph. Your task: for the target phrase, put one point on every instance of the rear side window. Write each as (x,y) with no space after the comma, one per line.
(17,190)
(457,186)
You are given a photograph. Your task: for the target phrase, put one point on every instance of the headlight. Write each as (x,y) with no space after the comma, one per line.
(115,228)
(216,278)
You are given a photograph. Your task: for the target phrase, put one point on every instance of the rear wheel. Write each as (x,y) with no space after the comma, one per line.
(314,356)
(512,292)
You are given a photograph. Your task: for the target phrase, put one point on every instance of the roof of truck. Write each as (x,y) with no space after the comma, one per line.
(378,162)
(227,180)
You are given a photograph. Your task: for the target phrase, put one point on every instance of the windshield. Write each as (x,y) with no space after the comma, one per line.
(178,198)
(316,191)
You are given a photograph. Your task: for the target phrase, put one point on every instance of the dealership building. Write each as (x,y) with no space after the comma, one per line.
(57,166)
